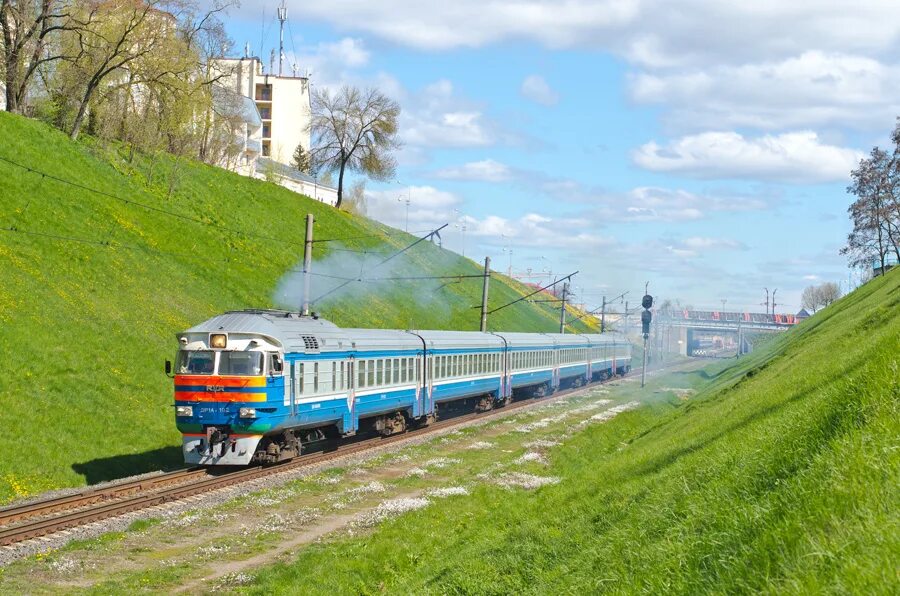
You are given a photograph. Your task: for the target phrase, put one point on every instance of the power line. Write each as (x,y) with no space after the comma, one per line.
(375,235)
(569,276)
(153,208)
(107,244)
(395,278)
(382,262)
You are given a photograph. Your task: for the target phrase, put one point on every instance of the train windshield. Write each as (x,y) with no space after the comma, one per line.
(244,364)
(195,362)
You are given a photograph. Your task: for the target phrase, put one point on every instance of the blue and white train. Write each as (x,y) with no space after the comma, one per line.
(253,386)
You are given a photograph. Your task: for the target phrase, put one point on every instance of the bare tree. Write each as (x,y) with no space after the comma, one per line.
(829,292)
(816,297)
(810,299)
(354,130)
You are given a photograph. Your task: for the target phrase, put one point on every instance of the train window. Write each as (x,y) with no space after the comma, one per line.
(395,371)
(298,377)
(370,374)
(315,377)
(239,364)
(193,362)
(361,373)
(341,382)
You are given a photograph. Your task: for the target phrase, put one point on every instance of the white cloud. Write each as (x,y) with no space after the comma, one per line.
(486,170)
(650,32)
(535,88)
(790,157)
(814,88)
(330,63)
(704,243)
(437,117)
(429,207)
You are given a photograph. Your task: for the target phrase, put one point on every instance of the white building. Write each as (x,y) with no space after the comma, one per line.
(283,104)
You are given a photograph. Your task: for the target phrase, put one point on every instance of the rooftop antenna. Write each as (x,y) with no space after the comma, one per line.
(282,17)
(262,32)
(247,50)
(272,61)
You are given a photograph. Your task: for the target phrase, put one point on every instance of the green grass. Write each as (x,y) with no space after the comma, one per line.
(780,475)
(86,327)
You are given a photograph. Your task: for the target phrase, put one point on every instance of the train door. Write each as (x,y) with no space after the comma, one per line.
(350,420)
(423,384)
(290,396)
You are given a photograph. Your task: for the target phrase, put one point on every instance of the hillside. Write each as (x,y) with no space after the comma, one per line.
(780,475)
(95,285)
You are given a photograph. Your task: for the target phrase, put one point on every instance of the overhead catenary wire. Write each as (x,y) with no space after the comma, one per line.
(146,206)
(382,262)
(195,220)
(562,279)
(364,279)
(107,244)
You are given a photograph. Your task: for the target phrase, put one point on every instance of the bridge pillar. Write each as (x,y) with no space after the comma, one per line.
(682,341)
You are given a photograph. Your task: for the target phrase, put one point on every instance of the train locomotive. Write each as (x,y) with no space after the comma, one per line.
(255,386)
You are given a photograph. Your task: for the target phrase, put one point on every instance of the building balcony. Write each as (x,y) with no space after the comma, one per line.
(253,146)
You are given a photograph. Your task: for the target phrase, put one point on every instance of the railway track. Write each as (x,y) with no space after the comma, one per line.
(43,518)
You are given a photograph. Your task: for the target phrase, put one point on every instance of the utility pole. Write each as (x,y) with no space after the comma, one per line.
(767,301)
(484,293)
(626,317)
(307,262)
(603,316)
(562,309)
(775,291)
(282,17)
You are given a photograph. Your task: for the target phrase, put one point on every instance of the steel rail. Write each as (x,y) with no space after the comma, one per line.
(116,500)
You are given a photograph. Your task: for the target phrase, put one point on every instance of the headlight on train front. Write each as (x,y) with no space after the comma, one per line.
(218,341)
(184,410)
(248,412)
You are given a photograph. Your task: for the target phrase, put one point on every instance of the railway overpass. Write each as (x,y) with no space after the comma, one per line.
(714,333)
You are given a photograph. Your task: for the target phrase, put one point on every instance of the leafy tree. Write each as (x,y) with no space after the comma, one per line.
(300,159)
(354,130)
(29,29)
(875,213)
(356,198)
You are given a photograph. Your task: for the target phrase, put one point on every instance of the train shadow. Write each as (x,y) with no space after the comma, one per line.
(122,466)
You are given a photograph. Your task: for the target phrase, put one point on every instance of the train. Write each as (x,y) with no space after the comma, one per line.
(257,386)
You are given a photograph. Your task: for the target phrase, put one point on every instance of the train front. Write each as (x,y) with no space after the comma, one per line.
(223,383)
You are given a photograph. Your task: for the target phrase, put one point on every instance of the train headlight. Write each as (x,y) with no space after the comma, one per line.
(248,413)
(218,341)
(184,410)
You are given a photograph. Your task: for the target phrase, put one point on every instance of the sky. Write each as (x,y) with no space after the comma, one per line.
(703,146)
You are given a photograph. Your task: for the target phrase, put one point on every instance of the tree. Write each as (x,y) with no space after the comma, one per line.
(829,292)
(816,297)
(28,27)
(356,198)
(300,160)
(810,299)
(353,130)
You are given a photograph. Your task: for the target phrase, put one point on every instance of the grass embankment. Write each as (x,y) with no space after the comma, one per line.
(86,326)
(780,475)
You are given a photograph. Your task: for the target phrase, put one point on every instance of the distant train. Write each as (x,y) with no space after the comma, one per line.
(254,386)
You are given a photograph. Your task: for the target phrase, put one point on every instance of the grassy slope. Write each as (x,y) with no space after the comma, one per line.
(85,328)
(781,475)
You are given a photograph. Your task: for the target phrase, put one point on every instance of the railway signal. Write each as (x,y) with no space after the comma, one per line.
(646,318)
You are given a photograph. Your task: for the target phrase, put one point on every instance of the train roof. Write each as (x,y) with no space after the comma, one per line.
(295,332)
